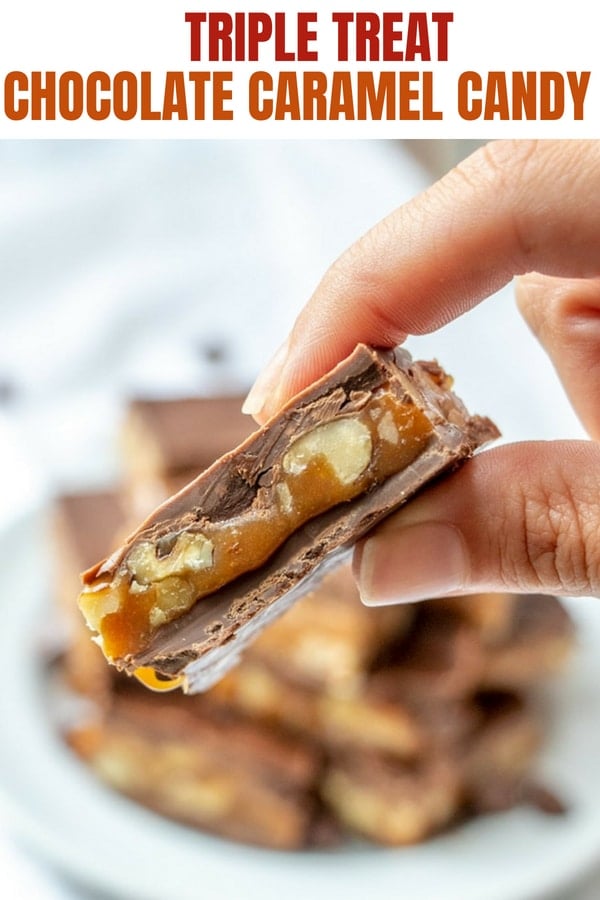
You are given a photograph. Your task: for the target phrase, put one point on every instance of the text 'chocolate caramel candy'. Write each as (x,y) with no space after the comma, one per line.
(218,560)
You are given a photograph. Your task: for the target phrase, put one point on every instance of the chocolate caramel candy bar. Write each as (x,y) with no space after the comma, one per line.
(223,774)
(220,559)
(390,802)
(363,719)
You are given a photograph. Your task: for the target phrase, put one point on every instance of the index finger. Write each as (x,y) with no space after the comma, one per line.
(511,207)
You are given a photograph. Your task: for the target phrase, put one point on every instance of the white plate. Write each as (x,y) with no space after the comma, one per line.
(109,843)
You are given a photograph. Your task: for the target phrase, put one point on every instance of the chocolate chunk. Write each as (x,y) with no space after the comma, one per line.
(541,797)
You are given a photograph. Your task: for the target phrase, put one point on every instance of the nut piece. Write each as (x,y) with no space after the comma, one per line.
(284,495)
(97,603)
(345,444)
(190,553)
(174,595)
(387,429)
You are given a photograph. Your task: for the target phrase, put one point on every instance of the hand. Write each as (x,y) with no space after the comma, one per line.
(522,517)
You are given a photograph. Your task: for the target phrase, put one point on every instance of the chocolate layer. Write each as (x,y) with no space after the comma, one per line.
(206,641)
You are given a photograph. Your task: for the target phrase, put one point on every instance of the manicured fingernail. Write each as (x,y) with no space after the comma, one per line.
(416,562)
(266,383)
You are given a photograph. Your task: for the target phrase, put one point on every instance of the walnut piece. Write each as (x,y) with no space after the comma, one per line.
(345,444)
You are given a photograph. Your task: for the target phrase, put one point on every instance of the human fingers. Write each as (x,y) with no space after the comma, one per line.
(564,314)
(510,208)
(521,517)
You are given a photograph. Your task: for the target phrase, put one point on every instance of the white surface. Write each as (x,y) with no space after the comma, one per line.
(55,806)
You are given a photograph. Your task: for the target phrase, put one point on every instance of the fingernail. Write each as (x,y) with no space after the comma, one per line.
(266,383)
(416,562)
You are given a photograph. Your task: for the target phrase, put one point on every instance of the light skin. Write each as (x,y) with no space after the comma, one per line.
(522,517)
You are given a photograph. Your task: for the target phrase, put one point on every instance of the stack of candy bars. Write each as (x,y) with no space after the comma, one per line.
(389,723)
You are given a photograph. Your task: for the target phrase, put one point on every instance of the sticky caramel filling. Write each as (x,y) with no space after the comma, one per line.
(155,682)
(331,464)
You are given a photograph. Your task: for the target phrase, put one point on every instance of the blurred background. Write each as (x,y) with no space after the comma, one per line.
(166,267)
(161,267)
(171,268)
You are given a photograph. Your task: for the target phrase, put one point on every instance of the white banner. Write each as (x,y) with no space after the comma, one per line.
(181,69)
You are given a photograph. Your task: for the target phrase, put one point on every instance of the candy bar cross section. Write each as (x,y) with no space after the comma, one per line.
(237,545)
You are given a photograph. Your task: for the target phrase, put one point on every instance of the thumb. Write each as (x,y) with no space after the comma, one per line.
(522,517)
